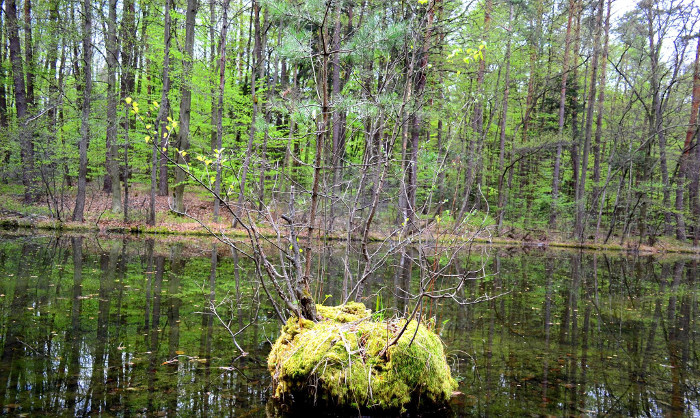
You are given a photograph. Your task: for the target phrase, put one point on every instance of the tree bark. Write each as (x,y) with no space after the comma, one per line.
(220,108)
(85,114)
(128,53)
(477,121)
(685,157)
(164,110)
(573,7)
(251,133)
(261,65)
(581,202)
(337,118)
(183,141)
(656,121)
(599,122)
(416,119)
(4,122)
(29,64)
(111,141)
(26,139)
(504,122)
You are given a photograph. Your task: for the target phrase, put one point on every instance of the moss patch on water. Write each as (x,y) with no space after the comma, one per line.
(337,362)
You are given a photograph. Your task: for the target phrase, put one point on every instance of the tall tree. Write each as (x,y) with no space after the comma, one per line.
(684,165)
(161,120)
(581,201)
(85,111)
(573,6)
(473,158)
(25,138)
(597,157)
(29,65)
(257,57)
(504,120)
(164,109)
(112,98)
(220,106)
(183,138)
(4,121)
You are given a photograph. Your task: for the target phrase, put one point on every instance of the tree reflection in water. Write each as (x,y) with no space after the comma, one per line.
(124,328)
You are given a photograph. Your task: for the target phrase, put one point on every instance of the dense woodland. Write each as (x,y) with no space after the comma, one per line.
(577,117)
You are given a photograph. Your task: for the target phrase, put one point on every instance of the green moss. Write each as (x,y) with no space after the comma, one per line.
(337,362)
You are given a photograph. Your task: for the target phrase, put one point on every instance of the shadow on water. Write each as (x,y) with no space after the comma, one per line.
(126,327)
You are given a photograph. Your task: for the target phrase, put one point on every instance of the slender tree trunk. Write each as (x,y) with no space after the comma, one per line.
(581,202)
(477,120)
(128,54)
(29,64)
(127,87)
(4,122)
(220,107)
(112,146)
(251,133)
(160,132)
(53,104)
(338,129)
(573,9)
(144,52)
(417,116)
(261,65)
(214,65)
(504,122)
(657,126)
(686,155)
(26,139)
(164,110)
(85,115)
(183,140)
(599,122)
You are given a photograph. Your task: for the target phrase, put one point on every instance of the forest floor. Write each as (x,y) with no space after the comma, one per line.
(100,219)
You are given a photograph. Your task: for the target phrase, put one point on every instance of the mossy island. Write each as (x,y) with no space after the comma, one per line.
(340,362)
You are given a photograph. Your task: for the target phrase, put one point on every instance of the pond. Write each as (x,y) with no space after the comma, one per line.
(96,326)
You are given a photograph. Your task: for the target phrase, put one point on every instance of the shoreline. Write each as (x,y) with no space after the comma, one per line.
(13,223)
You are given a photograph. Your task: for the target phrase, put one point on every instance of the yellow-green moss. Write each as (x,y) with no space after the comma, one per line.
(337,361)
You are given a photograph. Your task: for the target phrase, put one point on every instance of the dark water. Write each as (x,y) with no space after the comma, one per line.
(117,328)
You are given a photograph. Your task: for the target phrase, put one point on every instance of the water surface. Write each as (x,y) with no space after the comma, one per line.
(123,327)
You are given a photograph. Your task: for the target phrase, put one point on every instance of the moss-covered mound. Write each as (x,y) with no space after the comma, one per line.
(337,362)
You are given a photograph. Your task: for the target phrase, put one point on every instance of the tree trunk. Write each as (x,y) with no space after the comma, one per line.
(504,122)
(338,128)
(214,65)
(128,55)
(85,115)
(220,108)
(251,133)
(261,65)
(599,122)
(4,122)
(111,145)
(183,140)
(685,156)
(26,140)
(29,65)
(656,122)
(164,110)
(573,9)
(477,120)
(417,117)
(581,202)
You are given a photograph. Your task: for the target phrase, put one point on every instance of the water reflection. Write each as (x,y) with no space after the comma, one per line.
(125,327)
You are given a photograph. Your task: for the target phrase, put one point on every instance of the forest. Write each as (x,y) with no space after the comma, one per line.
(349,164)
(576,119)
